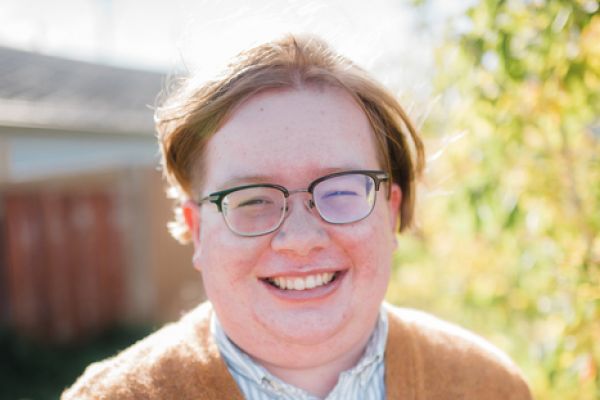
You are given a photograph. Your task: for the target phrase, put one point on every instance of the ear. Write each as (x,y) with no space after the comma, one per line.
(191,216)
(394,203)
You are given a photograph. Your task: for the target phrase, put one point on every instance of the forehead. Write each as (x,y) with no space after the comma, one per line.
(291,134)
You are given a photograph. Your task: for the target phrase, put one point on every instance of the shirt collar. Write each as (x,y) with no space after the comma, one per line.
(241,363)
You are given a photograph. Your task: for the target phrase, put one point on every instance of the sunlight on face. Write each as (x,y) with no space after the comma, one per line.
(292,137)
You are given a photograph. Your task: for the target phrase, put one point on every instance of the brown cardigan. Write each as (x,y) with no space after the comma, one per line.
(425,358)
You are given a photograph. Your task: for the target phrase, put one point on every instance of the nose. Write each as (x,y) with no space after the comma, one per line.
(301,232)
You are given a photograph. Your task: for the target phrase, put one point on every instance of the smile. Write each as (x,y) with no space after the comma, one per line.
(302,283)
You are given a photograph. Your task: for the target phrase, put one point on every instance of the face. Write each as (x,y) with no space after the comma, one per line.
(292,137)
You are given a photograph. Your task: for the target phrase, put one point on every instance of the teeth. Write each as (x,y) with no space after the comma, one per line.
(299,284)
(319,280)
(307,282)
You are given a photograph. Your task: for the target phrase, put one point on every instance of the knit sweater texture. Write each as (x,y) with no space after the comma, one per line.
(425,359)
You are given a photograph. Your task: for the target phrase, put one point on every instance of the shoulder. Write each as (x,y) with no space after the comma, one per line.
(167,364)
(451,360)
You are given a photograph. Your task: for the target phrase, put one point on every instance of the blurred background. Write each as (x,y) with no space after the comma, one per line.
(506,93)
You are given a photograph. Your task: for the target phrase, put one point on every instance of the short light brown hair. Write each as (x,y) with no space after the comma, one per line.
(190,115)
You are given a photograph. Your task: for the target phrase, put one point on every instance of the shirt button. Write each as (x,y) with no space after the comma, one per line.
(270,384)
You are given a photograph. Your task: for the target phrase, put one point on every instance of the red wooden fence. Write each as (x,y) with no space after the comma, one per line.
(63,263)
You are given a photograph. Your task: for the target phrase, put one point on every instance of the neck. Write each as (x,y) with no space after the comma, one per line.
(318,380)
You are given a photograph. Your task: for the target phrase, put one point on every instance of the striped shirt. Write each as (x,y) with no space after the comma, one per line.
(364,381)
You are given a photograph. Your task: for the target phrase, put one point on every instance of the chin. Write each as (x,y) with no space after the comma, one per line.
(306,327)
(307,337)
(302,347)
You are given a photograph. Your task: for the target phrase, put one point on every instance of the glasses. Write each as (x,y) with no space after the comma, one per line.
(340,198)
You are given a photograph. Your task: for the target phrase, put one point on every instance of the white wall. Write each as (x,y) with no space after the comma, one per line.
(27,154)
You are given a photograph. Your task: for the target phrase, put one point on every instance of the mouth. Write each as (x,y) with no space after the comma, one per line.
(303,283)
(306,286)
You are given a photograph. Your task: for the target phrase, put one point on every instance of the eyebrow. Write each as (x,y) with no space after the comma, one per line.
(251,179)
(244,180)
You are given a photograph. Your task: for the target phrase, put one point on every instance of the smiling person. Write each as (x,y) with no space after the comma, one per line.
(294,171)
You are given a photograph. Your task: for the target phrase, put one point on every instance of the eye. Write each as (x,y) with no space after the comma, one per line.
(255,202)
(337,193)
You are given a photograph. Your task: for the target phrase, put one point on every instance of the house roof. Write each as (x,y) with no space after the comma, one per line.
(49,92)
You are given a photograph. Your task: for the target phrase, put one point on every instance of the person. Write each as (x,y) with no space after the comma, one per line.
(294,170)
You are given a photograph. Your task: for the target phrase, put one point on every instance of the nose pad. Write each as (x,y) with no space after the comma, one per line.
(309,203)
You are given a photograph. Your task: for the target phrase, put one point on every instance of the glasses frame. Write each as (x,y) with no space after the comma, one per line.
(217,197)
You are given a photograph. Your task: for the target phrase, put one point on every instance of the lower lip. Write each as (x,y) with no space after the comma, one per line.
(317,293)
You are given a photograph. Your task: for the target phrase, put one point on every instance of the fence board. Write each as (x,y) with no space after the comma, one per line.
(64,268)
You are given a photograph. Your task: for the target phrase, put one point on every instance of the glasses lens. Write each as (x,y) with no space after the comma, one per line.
(254,211)
(345,198)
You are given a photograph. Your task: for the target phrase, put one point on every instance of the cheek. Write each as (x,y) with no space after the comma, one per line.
(225,259)
(370,246)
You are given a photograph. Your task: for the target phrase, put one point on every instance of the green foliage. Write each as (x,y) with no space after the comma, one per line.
(508,241)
